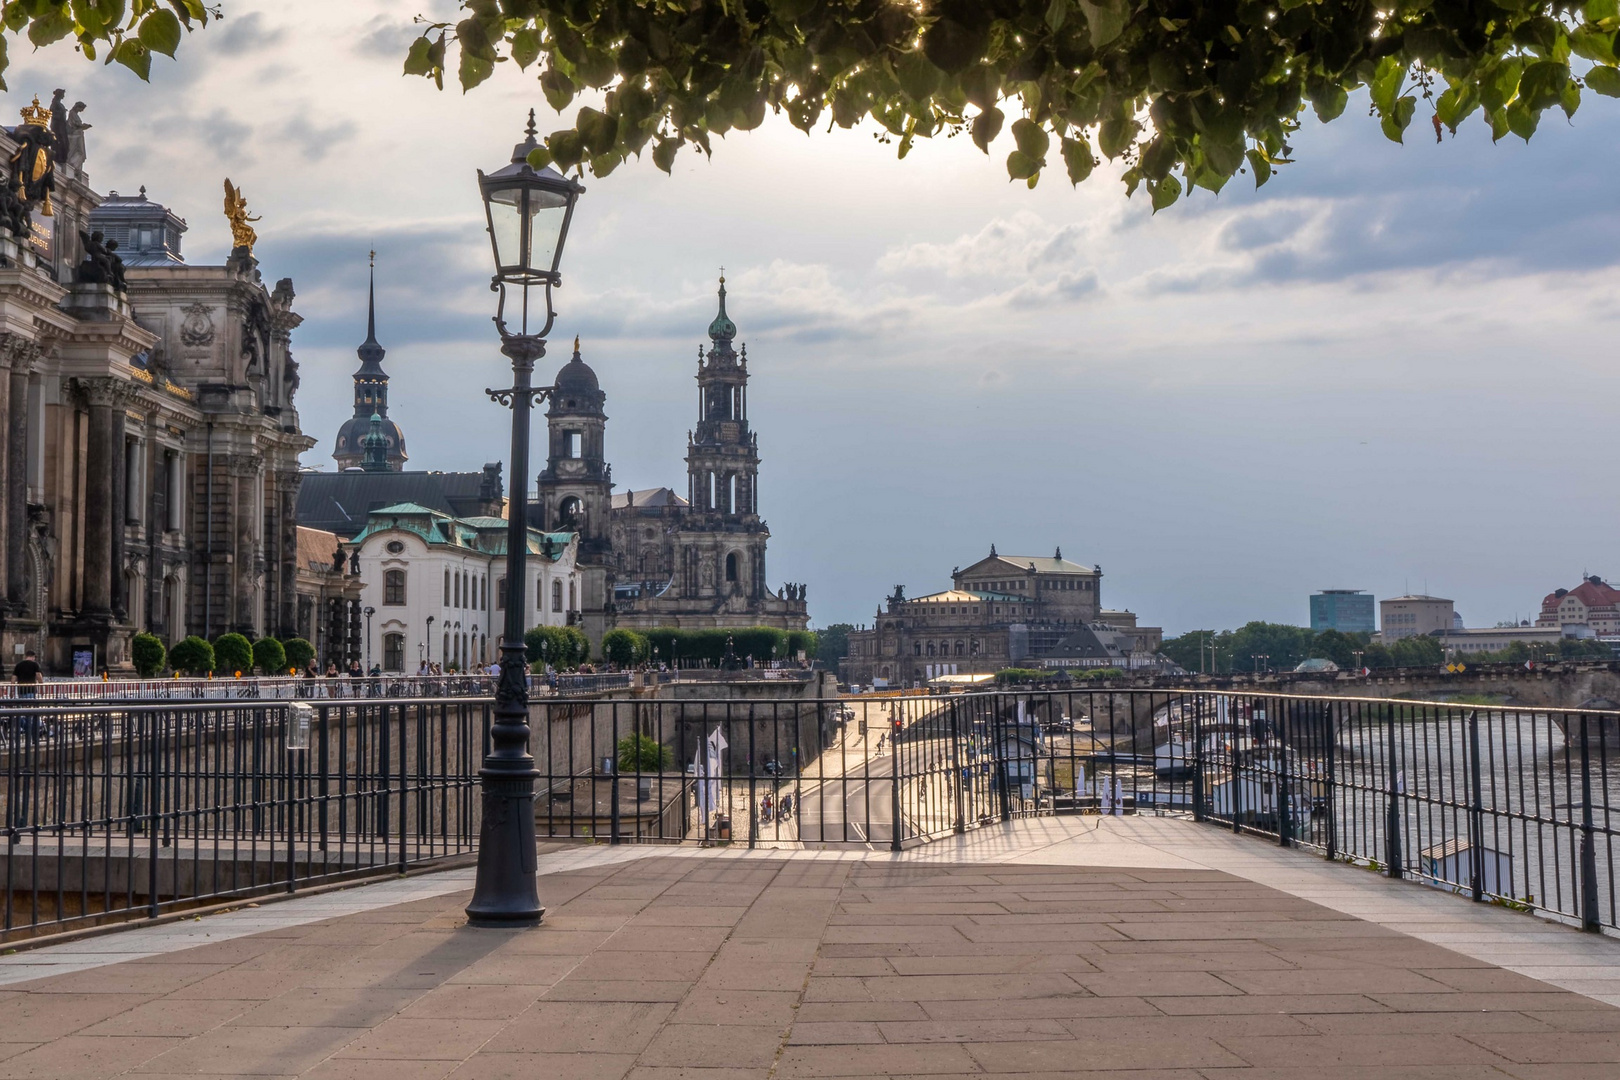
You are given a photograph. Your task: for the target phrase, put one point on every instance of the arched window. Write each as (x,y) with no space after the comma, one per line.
(393,586)
(916,648)
(732,505)
(444,653)
(500,594)
(930,648)
(573,597)
(556,595)
(539,594)
(447,586)
(731,566)
(393,652)
(458,590)
(959,647)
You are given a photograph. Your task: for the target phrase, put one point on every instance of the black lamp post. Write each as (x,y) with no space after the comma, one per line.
(369,612)
(527,211)
(430,619)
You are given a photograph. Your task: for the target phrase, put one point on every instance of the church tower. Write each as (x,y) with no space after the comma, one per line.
(370,396)
(722,469)
(575,490)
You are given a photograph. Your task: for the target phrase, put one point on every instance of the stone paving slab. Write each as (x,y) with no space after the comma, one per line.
(685,966)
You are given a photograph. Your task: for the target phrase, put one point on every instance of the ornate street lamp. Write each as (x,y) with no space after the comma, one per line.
(527,211)
(368,613)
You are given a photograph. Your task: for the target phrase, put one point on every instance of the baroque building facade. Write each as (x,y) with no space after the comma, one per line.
(652,558)
(148,438)
(1002,611)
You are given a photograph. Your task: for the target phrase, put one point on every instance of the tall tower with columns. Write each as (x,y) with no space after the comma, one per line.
(370,396)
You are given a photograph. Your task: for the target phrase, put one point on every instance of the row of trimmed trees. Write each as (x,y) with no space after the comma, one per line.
(229,654)
(565,648)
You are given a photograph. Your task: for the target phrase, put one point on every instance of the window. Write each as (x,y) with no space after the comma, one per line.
(395,547)
(916,648)
(500,594)
(393,652)
(539,594)
(573,600)
(731,567)
(458,590)
(393,587)
(573,444)
(447,586)
(556,595)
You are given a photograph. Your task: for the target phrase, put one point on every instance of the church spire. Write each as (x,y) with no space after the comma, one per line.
(722,329)
(371,302)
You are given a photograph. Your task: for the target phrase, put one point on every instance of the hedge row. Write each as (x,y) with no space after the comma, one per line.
(228,653)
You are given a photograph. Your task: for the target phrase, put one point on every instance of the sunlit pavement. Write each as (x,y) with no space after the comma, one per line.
(1093,947)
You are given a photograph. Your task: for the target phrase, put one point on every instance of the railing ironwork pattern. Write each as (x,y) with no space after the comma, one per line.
(133,810)
(1503,805)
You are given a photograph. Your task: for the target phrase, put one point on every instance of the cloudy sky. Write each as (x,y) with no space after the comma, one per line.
(1391,369)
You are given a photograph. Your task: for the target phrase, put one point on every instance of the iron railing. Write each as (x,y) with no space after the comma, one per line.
(252,688)
(1512,806)
(114,812)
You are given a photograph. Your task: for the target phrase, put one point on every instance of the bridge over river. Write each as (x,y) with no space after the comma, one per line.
(1565,684)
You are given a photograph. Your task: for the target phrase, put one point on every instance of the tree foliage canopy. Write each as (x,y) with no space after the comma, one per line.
(1186,94)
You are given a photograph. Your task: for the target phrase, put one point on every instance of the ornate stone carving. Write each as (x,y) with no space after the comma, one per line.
(18,353)
(241,464)
(197,328)
(111,393)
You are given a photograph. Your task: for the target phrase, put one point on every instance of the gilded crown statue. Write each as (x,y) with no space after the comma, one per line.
(32,164)
(242,234)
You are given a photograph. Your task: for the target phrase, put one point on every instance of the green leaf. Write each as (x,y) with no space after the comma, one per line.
(919,78)
(526,46)
(1020,166)
(597,130)
(1592,44)
(1031,138)
(1569,99)
(416,60)
(5,62)
(539,157)
(1542,84)
(135,56)
(1115,135)
(473,70)
(1077,158)
(559,88)
(53,24)
(1105,19)
(597,68)
(1225,158)
(986,126)
(1521,120)
(160,31)
(1455,105)
(1604,80)
(664,153)
(566,149)
(1396,120)
(1056,12)
(953,46)
(1386,84)
(1164,192)
(1261,167)
(1329,100)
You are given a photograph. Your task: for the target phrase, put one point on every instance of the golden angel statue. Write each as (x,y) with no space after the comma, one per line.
(242,234)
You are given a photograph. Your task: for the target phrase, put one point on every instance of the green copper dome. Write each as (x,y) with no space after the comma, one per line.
(722,329)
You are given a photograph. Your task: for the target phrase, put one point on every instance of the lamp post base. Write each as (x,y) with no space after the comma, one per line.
(506,893)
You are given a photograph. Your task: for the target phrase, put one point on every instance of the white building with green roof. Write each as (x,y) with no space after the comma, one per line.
(435,586)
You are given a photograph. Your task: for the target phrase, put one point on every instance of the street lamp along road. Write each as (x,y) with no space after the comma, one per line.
(527,212)
(368,613)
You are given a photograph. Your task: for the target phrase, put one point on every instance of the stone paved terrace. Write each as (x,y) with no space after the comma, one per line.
(1152,949)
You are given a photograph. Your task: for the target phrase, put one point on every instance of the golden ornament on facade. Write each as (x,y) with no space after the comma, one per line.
(242,234)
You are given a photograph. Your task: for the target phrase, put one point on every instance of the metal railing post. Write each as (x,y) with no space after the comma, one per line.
(894,777)
(154,799)
(1591,918)
(1331,735)
(613,775)
(960,826)
(1392,809)
(1285,810)
(1200,811)
(1476,813)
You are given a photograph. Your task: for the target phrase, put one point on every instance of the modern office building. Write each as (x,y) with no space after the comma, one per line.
(1349,611)
(1409,616)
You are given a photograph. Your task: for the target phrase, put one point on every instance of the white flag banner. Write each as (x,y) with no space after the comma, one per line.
(706,764)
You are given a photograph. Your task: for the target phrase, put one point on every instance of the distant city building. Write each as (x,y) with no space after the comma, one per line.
(329,591)
(1412,616)
(1497,638)
(1590,609)
(1002,611)
(418,563)
(1349,611)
